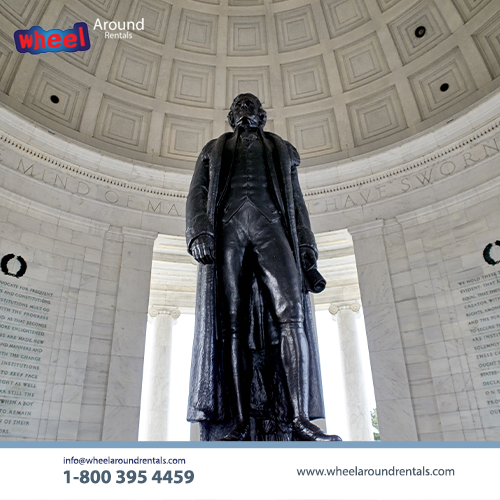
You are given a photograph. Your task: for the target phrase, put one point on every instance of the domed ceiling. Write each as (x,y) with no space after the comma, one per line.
(338,78)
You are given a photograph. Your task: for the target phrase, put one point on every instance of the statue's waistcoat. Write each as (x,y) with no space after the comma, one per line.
(248,179)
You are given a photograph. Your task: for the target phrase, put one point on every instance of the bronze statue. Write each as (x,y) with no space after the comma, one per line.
(255,368)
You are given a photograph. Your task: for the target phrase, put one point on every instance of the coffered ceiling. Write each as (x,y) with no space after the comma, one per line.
(338,78)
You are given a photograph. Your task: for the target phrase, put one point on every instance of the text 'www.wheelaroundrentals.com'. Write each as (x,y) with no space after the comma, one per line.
(359,471)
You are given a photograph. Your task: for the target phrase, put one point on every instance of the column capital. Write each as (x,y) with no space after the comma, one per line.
(170,310)
(335,307)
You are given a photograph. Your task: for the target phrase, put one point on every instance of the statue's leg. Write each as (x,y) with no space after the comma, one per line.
(233,295)
(295,360)
(281,278)
(237,372)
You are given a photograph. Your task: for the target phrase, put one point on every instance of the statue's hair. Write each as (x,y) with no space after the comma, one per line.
(261,112)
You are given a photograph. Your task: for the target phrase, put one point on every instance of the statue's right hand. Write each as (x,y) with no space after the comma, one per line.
(203,249)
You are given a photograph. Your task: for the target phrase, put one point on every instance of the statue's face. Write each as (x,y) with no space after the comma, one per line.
(245,110)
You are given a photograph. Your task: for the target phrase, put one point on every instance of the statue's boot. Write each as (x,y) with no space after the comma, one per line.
(241,431)
(305,430)
(295,359)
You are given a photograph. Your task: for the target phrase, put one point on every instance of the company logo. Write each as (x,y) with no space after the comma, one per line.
(38,41)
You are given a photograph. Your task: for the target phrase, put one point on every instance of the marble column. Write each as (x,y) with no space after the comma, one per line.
(155,403)
(123,393)
(358,406)
(390,379)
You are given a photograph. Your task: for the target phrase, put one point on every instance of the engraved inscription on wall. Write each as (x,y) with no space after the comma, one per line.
(477,299)
(88,185)
(28,317)
(420,174)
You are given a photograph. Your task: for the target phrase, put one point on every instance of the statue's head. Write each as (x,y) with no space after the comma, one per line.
(247,109)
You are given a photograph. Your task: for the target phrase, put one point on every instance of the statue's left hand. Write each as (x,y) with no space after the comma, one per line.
(307,258)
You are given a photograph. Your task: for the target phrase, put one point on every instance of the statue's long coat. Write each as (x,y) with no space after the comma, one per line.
(208,400)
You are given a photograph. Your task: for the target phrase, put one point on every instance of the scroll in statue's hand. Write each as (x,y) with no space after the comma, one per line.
(203,249)
(307,258)
(315,283)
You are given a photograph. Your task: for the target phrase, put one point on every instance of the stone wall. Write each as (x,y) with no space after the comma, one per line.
(429,288)
(74,294)
(72,324)
(445,293)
